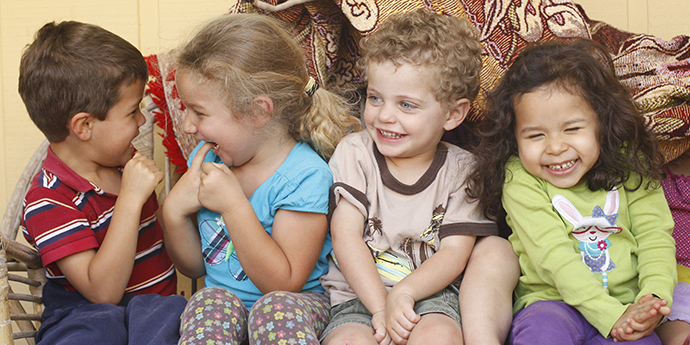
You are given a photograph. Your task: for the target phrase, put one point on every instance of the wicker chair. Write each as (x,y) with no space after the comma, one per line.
(16,257)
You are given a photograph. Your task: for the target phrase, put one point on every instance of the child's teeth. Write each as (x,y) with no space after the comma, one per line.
(562,166)
(390,135)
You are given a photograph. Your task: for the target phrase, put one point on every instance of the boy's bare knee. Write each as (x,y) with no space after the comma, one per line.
(350,334)
(437,329)
(493,256)
(493,247)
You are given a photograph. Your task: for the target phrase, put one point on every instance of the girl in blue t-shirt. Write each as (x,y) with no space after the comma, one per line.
(250,212)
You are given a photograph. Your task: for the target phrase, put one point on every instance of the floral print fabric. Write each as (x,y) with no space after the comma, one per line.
(215,316)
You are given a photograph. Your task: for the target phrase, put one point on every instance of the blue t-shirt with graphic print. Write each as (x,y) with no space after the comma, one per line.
(300,184)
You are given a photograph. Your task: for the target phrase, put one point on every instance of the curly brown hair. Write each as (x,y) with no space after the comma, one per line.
(581,67)
(448,46)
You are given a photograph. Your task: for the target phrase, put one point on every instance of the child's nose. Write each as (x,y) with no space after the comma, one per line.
(141,119)
(556,146)
(386,114)
(188,125)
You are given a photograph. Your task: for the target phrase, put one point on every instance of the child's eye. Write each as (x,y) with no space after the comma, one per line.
(406,105)
(195,112)
(572,129)
(535,136)
(374,98)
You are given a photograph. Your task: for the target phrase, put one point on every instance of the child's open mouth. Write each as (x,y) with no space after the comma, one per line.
(390,135)
(564,166)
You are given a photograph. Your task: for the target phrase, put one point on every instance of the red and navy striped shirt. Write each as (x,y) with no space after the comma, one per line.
(65,214)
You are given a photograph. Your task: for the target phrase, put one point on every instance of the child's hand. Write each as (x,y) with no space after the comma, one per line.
(400,316)
(184,195)
(640,319)
(140,177)
(219,190)
(378,321)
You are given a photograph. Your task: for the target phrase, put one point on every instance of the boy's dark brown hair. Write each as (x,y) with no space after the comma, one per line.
(584,68)
(74,67)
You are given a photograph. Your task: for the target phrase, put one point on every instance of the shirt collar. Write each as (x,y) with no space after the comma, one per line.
(55,166)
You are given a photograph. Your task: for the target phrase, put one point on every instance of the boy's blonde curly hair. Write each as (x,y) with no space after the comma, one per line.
(448,46)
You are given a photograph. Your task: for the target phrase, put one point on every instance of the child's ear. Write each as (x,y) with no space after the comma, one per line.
(457,113)
(264,106)
(81,125)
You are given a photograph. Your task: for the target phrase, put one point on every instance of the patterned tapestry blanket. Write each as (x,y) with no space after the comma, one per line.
(656,71)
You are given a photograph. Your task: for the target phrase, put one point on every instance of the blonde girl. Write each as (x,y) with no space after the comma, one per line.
(250,213)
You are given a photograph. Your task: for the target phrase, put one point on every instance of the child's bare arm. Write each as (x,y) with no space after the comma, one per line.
(180,234)
(357,265)
(102,276)
(640,319)
(432,276)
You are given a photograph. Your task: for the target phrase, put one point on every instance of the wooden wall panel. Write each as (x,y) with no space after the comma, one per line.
(178,19)
(663,18)
(669,18)
(615,11)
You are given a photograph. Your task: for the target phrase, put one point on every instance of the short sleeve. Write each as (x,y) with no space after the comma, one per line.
(54,225)
(351,164)
(308,192)
(463,215)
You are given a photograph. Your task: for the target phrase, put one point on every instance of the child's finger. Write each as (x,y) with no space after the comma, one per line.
(398,336)
(379,335)
(624,329)
(635,326)
(386,339)
(645,298)
(412,318)
(200,155)
(664,311)
(222,167)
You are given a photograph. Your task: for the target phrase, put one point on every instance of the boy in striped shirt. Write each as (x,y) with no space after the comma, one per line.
(91,210)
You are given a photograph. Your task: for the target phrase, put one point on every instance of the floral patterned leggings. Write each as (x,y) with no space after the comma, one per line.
(215,316)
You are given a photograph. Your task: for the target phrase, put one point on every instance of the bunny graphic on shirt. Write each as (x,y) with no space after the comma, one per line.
(593,231)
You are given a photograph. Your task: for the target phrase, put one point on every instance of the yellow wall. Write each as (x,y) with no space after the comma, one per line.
(662,18)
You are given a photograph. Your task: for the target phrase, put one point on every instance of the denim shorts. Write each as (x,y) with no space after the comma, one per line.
(353,311)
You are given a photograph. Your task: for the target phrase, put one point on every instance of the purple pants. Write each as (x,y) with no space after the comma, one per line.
(554,322)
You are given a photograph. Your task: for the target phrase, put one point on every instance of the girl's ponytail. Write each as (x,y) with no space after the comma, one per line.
(326,121)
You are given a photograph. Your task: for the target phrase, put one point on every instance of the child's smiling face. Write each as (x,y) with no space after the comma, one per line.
(402,114)
(556,134)
(209,119)
(114,135)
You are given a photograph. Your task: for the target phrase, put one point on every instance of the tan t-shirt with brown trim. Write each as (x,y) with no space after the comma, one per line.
(405,223)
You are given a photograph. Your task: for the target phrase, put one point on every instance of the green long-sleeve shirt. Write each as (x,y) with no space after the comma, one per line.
(637,259)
